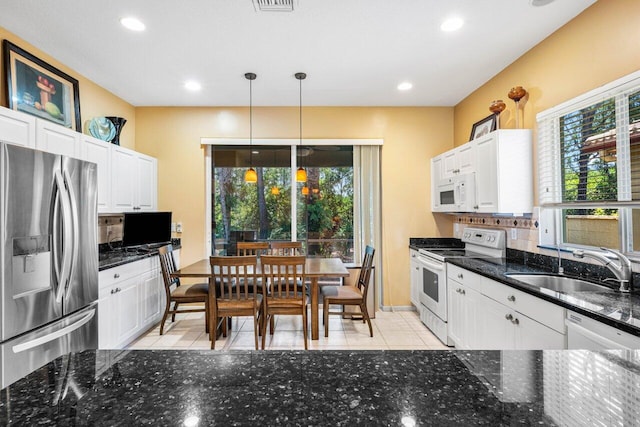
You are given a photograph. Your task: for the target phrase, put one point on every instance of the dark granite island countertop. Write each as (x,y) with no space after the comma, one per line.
(203,388)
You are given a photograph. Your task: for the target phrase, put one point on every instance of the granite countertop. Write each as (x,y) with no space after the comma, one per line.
(120,256)
(329,388)
(434,242)
(621,310)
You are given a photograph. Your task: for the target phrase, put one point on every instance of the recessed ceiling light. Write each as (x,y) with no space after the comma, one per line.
(539,3)
(452,24)
(405,86)
(192,85)
(133,24)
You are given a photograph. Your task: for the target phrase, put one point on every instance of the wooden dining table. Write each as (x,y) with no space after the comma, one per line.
(315,269)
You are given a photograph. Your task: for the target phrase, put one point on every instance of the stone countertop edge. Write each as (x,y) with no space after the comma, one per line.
(497,272)
(118,259)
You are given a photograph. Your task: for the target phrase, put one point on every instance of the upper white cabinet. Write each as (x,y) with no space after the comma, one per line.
(17,128)
(133,180)
(504,172)
(501,163)
(98,151)
(57,139)
(127,180)
(460,160)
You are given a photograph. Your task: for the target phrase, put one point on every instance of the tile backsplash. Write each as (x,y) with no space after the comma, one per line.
(110,228)
(525,228)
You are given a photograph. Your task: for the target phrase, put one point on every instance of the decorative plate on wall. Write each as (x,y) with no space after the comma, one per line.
(102,128)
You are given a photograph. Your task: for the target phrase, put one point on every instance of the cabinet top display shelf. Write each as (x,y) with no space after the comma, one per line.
(502,165)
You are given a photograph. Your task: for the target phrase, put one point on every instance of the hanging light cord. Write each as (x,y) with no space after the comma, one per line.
(300,112)
(250,123)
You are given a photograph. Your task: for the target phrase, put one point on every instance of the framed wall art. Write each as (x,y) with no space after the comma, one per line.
(484,126)
(37,88)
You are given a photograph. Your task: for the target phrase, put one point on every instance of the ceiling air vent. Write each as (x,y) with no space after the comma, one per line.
(274,5)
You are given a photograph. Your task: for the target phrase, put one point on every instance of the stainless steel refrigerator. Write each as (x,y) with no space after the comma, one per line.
(49,259)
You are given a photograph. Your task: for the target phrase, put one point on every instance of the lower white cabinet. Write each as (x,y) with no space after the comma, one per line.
(415,278)
(488,315)
(131,300)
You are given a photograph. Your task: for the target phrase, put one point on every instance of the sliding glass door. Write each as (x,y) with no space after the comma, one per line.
(322,206)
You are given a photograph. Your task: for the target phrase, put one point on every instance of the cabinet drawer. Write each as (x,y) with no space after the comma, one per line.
(113,275)
(465,277)
(542,311)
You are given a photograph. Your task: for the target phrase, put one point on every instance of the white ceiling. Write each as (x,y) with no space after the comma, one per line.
(355,52)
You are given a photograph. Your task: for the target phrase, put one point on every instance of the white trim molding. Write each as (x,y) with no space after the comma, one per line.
(289,141)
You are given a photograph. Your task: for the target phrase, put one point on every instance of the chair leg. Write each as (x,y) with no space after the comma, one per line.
(272,324)
(224,326)
(365,316)
(206,317)
(325,317)
(164,317)
(213,325)
(263,328)
(304,326)
(255,326)
(175,309)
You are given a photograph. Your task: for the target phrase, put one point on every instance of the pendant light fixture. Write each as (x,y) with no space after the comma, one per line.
(250,176)
(301,174)
(275,190)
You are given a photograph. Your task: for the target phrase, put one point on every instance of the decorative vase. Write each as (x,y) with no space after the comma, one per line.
(496,108)
(516,94)
(118,123)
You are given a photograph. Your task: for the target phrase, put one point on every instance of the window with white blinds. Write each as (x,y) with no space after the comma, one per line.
(589,166)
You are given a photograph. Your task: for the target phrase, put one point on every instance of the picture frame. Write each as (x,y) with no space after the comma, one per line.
(484,126)
(38,88)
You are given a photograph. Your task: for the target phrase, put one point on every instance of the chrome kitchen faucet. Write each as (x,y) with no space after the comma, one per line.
(622,272)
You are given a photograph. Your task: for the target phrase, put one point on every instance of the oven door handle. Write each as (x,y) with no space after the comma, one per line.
(430,264)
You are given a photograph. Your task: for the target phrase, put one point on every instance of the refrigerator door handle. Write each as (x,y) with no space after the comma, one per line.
(67,237)
(75,229)
(55,335)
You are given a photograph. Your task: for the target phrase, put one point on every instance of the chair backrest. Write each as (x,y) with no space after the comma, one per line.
(286,248)
(365,271)
(167,266)
(233,276)
(284,275)
(252,248)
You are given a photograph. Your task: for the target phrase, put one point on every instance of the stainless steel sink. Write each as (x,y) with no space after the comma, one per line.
(558,283)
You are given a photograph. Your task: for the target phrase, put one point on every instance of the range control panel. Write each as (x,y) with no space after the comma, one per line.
(486,237)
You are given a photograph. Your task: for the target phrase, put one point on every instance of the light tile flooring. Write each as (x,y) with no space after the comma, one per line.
(401,330)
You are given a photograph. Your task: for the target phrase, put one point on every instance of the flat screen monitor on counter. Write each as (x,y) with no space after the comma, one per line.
(146,228)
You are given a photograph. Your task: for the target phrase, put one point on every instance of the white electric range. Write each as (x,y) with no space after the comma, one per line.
(479,243)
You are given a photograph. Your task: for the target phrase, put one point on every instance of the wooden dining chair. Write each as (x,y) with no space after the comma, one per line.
(350,295)
(183,293)
(252,248)
(285,248)
(233,276)
(284,293)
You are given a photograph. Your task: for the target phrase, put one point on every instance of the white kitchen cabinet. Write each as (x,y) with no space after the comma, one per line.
(130,302)
(98,151)
(57,139)
(436,174)
(488,315)
(462,316)
(460,160)
(17,128)
(415,278)
(133,181)
(504,172)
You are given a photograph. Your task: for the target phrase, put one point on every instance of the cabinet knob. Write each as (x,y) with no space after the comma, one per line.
(515,321)
(475,207)
(116,276)
(118,289)
(508,316)
(511,298)
(113,291)
(462,291)
(460,276)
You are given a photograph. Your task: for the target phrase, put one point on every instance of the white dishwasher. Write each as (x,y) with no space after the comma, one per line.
(586,333)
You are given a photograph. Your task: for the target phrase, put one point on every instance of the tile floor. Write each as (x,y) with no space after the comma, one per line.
(401,330)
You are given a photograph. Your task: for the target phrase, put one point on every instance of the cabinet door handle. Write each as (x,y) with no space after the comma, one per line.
(508,316)
(511,298)
(116,276)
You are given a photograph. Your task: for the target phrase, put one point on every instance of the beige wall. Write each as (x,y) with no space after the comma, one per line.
(95,101)
(598,46)
(411,137)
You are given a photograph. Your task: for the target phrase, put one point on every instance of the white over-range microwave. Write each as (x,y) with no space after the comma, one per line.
(455,194)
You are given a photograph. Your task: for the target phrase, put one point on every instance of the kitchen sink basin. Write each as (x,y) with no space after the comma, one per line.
(558,283)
